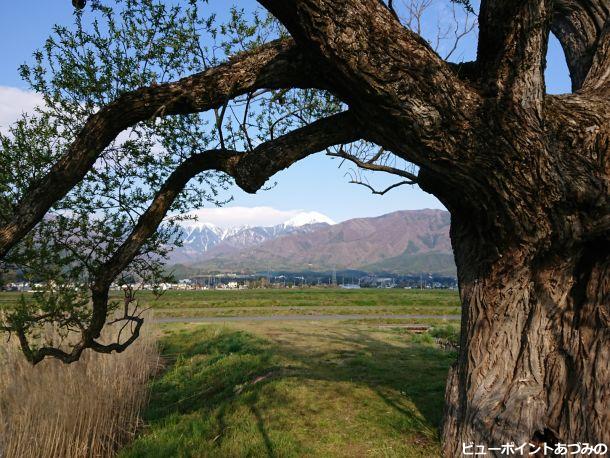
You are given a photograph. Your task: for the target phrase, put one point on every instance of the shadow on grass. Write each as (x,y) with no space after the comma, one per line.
(260,423)
(208,369)
(418,371)
(207,401)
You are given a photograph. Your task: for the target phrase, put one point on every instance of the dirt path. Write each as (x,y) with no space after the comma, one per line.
(334,317)
(301,307)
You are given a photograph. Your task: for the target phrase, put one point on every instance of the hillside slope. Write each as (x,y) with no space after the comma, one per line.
(400,242)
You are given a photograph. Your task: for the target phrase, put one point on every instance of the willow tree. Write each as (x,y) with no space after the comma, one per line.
(525,175)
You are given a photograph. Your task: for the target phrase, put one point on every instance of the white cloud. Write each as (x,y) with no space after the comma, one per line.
(14,102)
(228,217)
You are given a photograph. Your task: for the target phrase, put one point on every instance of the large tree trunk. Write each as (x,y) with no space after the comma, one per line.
(525,175)
(535,345)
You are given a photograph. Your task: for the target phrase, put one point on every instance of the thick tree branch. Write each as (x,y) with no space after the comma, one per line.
(599,74)
(393,82)
(276,65)
(250,170)
(578,24)
(512,49)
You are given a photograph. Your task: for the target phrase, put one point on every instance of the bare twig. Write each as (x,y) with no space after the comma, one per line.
(368,165)
(381,193)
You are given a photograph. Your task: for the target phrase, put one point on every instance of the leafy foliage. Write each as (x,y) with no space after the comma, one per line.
(110,51)
(466,4)
(114,48)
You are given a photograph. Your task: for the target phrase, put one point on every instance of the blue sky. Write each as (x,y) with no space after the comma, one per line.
(315,184)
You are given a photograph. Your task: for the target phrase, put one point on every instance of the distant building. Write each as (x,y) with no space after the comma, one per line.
(22,286)
(350,286)
(385,282)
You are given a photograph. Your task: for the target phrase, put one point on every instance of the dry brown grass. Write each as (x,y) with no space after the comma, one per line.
(86,409)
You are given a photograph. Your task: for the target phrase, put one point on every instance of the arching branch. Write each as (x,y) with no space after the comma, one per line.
(250,170)
(375,163)
(579,25)
(383,191)
(393,82)
(278,64)
(371,165)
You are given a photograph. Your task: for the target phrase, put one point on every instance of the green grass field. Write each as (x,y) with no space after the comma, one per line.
(308,297)
(285,389)
(286,297)
(310,301)
(281,389)
(341,388)
(193,304)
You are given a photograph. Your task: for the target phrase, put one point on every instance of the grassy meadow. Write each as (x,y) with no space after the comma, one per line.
(220,301)
(281,302)
(307,297)
(282,388)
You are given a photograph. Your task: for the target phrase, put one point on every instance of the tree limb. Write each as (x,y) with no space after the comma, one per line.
(383,191)
(578,25)
(392,82)
(390,6)
(370,165)
(599,73)
(278,64)
(250,170)
(512,49)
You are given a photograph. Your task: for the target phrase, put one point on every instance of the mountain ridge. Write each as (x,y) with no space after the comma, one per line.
(205,240)
(403,242)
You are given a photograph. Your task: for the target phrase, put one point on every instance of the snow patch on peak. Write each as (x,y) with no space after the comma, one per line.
(305,218)
(192,225)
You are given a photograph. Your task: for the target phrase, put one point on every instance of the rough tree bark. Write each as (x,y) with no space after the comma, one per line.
(533,255)
(533,265)
(526,177)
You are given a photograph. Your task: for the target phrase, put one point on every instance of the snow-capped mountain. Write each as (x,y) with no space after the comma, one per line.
(404,242)
(306,218)
(203,240)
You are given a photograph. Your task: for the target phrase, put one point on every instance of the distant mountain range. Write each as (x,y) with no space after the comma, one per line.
(404,242)
(205,241)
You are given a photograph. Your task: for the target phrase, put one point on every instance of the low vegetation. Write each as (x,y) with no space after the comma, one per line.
(338,388)
(89,408)
(307,297)
(295,389)
(309,301)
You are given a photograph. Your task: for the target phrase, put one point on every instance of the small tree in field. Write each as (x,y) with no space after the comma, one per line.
(525,175)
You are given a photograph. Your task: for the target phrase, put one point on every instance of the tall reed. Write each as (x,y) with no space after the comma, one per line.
(87,409)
